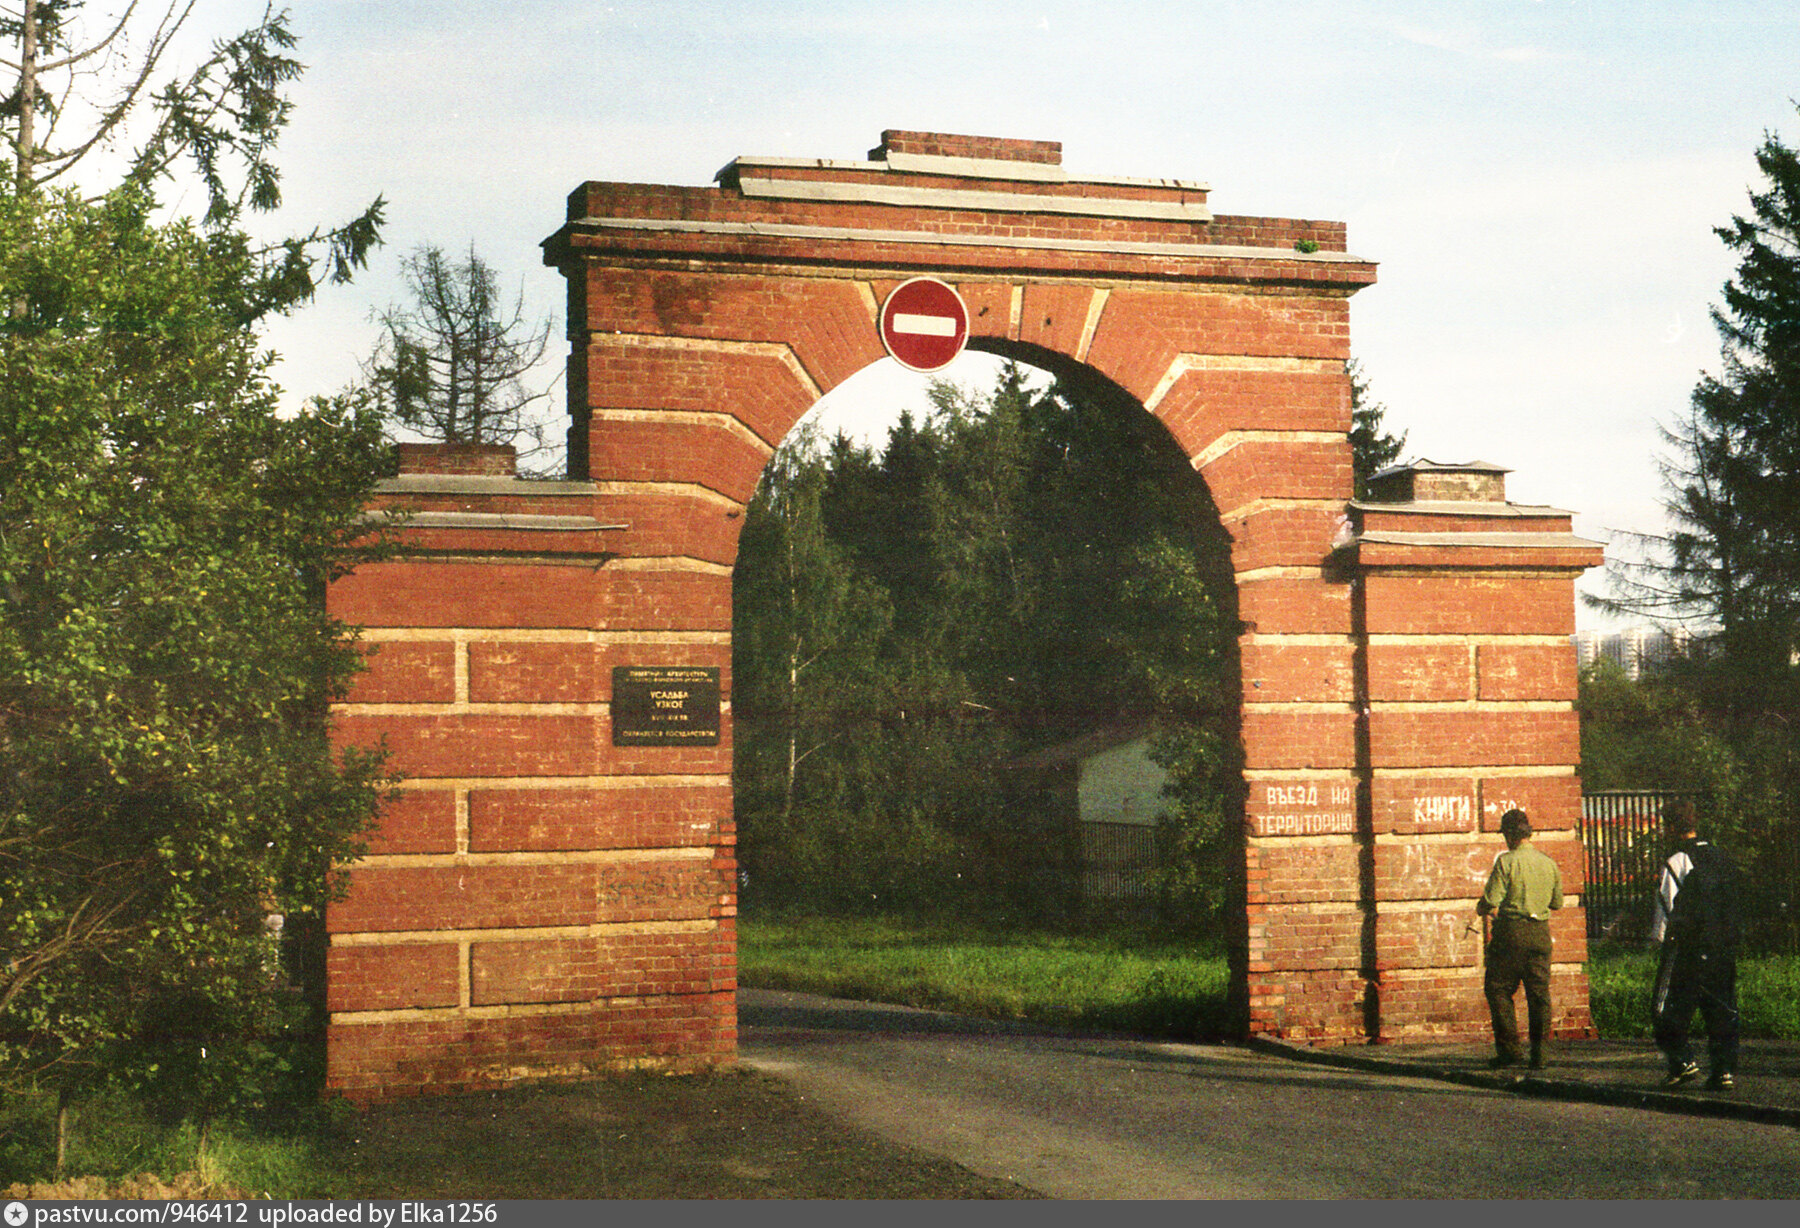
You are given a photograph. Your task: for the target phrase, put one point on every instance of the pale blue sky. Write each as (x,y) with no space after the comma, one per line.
(1537,179)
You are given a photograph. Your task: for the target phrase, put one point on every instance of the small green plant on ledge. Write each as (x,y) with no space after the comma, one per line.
(1306,246)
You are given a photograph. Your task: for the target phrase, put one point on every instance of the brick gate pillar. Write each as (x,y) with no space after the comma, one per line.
(1465,606)
(538,901)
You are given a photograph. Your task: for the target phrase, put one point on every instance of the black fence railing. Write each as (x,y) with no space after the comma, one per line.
(1118,861)
(1622,833)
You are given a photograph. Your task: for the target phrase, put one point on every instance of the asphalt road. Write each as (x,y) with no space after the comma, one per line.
(1088,1117)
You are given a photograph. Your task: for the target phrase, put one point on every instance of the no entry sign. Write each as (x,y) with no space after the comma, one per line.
(924,324)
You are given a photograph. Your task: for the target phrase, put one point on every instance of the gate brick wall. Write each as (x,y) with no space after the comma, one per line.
(540,902)
(537,902)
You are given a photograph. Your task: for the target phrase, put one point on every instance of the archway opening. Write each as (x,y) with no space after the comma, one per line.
(945,620)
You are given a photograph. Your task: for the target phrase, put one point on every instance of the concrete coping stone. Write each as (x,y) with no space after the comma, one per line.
(1452,507)
(959,168)
(1185,251)
(1526,541)
(478,484)
(512,521)
(997,202)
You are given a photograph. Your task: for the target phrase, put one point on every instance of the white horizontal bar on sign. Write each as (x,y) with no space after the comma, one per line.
(924,326)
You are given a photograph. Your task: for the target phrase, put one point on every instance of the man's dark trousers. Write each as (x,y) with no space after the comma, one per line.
(1686,979)
(1519,951)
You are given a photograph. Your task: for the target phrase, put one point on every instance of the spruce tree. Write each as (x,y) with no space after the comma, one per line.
(1730,564)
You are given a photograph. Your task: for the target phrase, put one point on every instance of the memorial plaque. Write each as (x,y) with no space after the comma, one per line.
(665,705)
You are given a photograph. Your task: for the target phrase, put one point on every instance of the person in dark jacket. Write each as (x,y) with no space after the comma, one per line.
(1697,923)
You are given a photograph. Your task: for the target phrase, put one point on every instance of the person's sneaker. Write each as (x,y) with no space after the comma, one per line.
(1686,1074)
(1722,1082)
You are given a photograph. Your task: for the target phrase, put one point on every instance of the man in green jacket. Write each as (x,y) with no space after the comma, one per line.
(1522,890)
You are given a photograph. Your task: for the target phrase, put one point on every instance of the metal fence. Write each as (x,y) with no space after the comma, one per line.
(1621,831)
(1117,861)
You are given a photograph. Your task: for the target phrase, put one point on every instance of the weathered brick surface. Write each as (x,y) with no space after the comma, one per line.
(681,522)
(1433,868)
(416,821)
(1053,316)
(1432,938)
(1278,469)
(1302,937)
(1442,1003)
(512,896)
(1472,605)
(827,321)
(1274,672)
(606,966)
(405,672)
(431,593)
(1553,802)
(1282,536)
(1416,673)
(1297,873)
(1453,738)
(759,389)
(653,816)
(1287,605)
(678,450)
(1529,671)
(1142,332)
(1448,1003)
(462,744)
(1320,1005)
(1411,805)
(478,459)
(1274,739)
(398,977)
(386,1060)
(674,600)
(1205,402)
(522,672)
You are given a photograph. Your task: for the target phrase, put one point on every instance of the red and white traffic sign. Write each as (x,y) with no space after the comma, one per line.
(924,324)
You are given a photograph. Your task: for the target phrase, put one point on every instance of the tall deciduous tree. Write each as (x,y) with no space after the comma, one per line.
(166,778)
(219,122)
(452,364)
(166,781)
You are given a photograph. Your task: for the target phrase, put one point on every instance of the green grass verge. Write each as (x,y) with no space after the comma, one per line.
(1620,977)
(112,1137)
(1122,980)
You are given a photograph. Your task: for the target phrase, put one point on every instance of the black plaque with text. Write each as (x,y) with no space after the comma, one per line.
(665,705)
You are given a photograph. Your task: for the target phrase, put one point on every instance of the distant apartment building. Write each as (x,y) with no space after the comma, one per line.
(1636,650)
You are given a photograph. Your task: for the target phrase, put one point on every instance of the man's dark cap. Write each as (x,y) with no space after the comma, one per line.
(1514,825)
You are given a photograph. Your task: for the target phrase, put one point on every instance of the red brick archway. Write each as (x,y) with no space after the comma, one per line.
(542,901)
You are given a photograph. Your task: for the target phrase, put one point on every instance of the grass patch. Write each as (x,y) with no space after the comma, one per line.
(1620,979)
(1120,980)
(113,1138)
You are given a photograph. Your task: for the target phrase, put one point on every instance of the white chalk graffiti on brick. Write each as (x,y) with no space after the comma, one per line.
(1448,810)
(1321,810)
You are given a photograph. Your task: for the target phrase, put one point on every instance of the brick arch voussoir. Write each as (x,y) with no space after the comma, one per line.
(827,322)
(758,383)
